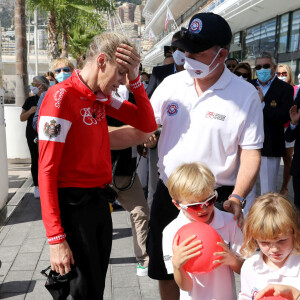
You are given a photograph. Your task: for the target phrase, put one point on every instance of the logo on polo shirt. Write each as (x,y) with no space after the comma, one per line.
(172,109)
(196,26)
(52,130)
(216,116)
(58,97)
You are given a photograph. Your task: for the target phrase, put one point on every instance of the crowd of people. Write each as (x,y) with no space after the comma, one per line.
(212,126)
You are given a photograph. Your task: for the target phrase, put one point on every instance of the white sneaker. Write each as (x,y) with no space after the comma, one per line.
(141,271)
(36,192)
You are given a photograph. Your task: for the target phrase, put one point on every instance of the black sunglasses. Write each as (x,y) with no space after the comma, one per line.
(65,69)
(265,66)
(245,75)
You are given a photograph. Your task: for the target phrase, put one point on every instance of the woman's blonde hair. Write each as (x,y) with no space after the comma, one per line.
(62,61)
(290,76)
(106,43)
(270,217)
(191,180)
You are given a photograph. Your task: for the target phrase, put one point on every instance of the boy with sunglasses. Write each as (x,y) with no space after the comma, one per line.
(191,187)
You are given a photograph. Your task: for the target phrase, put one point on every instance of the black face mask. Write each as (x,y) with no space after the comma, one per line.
(58,285)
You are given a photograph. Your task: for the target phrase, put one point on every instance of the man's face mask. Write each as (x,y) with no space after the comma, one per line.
(179,58)
(197,69)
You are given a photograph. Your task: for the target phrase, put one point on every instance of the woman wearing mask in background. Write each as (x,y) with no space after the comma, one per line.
(285,73)
(62,68)
(50,76)
(39,85)
(243,70)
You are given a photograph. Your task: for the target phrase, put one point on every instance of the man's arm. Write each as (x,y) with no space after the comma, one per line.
(36,115)
(248,171)
(126,136)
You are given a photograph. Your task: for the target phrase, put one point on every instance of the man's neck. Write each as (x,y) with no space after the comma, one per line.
(204,84)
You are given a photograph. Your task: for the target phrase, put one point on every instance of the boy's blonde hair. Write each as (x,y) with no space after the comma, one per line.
(270,217)
(62,61)
(107,43)
(191,180)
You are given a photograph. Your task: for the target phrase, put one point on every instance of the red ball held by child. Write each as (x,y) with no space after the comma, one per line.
(202,263)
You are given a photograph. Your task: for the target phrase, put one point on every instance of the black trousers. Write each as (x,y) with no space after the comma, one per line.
(34,153)
(88,227)
(296,186)
(163,212)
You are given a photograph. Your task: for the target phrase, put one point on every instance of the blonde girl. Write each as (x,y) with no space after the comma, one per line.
(272,227)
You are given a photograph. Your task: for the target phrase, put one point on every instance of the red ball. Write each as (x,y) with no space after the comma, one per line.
(202,263)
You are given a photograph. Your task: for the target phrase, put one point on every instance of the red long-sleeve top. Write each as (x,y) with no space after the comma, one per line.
(74,149)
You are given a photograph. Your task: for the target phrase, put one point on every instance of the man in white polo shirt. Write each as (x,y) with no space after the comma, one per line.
(209,115)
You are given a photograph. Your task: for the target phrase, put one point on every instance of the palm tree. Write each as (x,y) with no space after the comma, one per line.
(21,53)
(62,15)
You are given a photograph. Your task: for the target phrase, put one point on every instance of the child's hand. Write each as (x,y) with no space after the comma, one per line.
(185,251)
(285,291)
(228,259)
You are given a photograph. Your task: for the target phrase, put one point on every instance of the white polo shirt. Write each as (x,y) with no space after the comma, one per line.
(256,275)
(218,284)
(209,128)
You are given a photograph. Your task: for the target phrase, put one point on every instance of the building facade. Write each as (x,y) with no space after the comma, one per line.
(257,25)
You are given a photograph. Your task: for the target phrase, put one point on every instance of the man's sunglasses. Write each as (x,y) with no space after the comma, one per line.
(245,75)
(173,49)
(265,66)
(65,69)
(281,73)
(197,206)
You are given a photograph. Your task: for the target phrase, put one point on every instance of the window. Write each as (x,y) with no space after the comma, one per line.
(260,38)
(295,31)
(283,33)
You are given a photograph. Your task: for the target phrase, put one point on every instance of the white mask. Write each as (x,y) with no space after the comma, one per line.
(282,78)
(179,58)
(197,69)
(243,77)
(34,90)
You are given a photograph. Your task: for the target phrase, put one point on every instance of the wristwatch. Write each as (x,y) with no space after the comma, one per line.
(243,200)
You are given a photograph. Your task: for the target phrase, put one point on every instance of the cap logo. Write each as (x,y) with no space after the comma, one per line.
(196,26)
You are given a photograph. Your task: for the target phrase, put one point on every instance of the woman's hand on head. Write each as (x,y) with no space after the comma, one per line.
(130,59)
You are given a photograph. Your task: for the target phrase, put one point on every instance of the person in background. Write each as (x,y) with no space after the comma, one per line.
(231,63)
(292,133)
(62,68)
(276,100)
(50,76)
(272,226)
(39,85)
(145,77)
(284,72)
(243,70)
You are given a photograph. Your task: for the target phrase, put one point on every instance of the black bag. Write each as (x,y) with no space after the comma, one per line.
(58,285)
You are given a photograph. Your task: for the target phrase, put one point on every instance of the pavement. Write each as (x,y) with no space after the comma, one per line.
(24,251)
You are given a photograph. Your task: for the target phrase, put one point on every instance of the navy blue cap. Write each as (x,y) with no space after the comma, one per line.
(205,31)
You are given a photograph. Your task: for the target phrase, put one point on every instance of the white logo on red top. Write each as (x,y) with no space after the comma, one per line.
(91,118)
(58,97)
(196,26)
